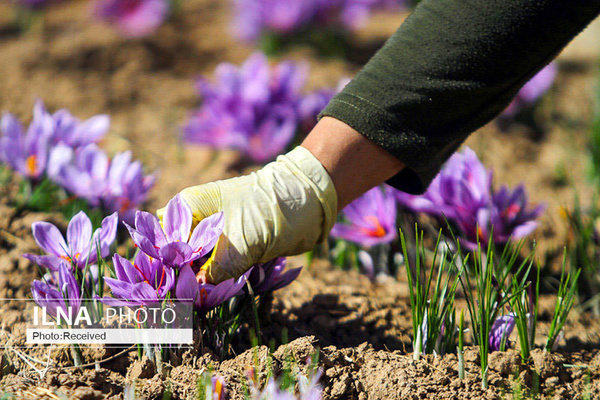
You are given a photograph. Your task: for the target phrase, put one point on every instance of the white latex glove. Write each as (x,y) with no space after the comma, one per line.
(281,210)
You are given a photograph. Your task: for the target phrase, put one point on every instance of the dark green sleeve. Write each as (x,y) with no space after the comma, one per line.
(450,68)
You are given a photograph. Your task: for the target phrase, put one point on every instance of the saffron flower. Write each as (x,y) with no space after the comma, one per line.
(462,193)
(532,91)
(116,185)
(53,293)
(252,108)
(462,184)
(82,245)
(27,153)
(207,296)
(49,141)
(174,245)
(71,131)
(371,219)
(133,18)
(146,281)
(269,276)
(500,331)
(507,216)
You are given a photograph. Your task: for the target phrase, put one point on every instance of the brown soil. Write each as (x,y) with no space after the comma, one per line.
(362,329)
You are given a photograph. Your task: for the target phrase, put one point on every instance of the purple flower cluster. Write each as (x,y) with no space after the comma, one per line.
(164,268)
(62,148)
(133,18)
(532,91)
(115,185)
(256,109)
(284,17)
(371,219)
(462,193)
(47,138)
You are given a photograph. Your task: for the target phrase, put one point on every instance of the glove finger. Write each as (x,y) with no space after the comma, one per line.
(203,200)
(225,262)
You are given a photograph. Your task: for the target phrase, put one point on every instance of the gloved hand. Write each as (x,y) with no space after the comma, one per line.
(281,210)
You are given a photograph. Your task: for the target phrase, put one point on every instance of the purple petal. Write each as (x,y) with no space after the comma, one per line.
(149,226)
(92,130)
(176,254)
(79,235)
(187,286)
(143,243)
(143,292)
(206,234)
(51,262)
(106,234)
(49,238)
(177,221)
(124,270)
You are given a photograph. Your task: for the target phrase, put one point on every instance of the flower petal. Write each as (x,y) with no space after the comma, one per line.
(79,235)
(143,243)
(176,254)
(207,233)
(177,221)
(187,286)
(49,238)
(106,235)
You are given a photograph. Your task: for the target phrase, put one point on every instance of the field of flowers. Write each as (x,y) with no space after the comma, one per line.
(485,287)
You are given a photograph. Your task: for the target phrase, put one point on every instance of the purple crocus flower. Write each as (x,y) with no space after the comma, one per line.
(52,294)
(501,330)
(27,153)
(462,193)
(532,91)
(117,185)
(218,388)
(49,142)
(133,18)
(371,218)
(253,108)
(462,184)
(146,281)
(80,248)
(507,216)
(172,243)
(269,276)
(71,131)
(207,296)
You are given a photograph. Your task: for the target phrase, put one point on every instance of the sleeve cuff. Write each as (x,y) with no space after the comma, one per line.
(386,131)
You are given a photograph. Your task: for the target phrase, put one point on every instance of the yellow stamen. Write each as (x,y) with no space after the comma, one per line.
(218,388)
(378,231)
(32,164)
